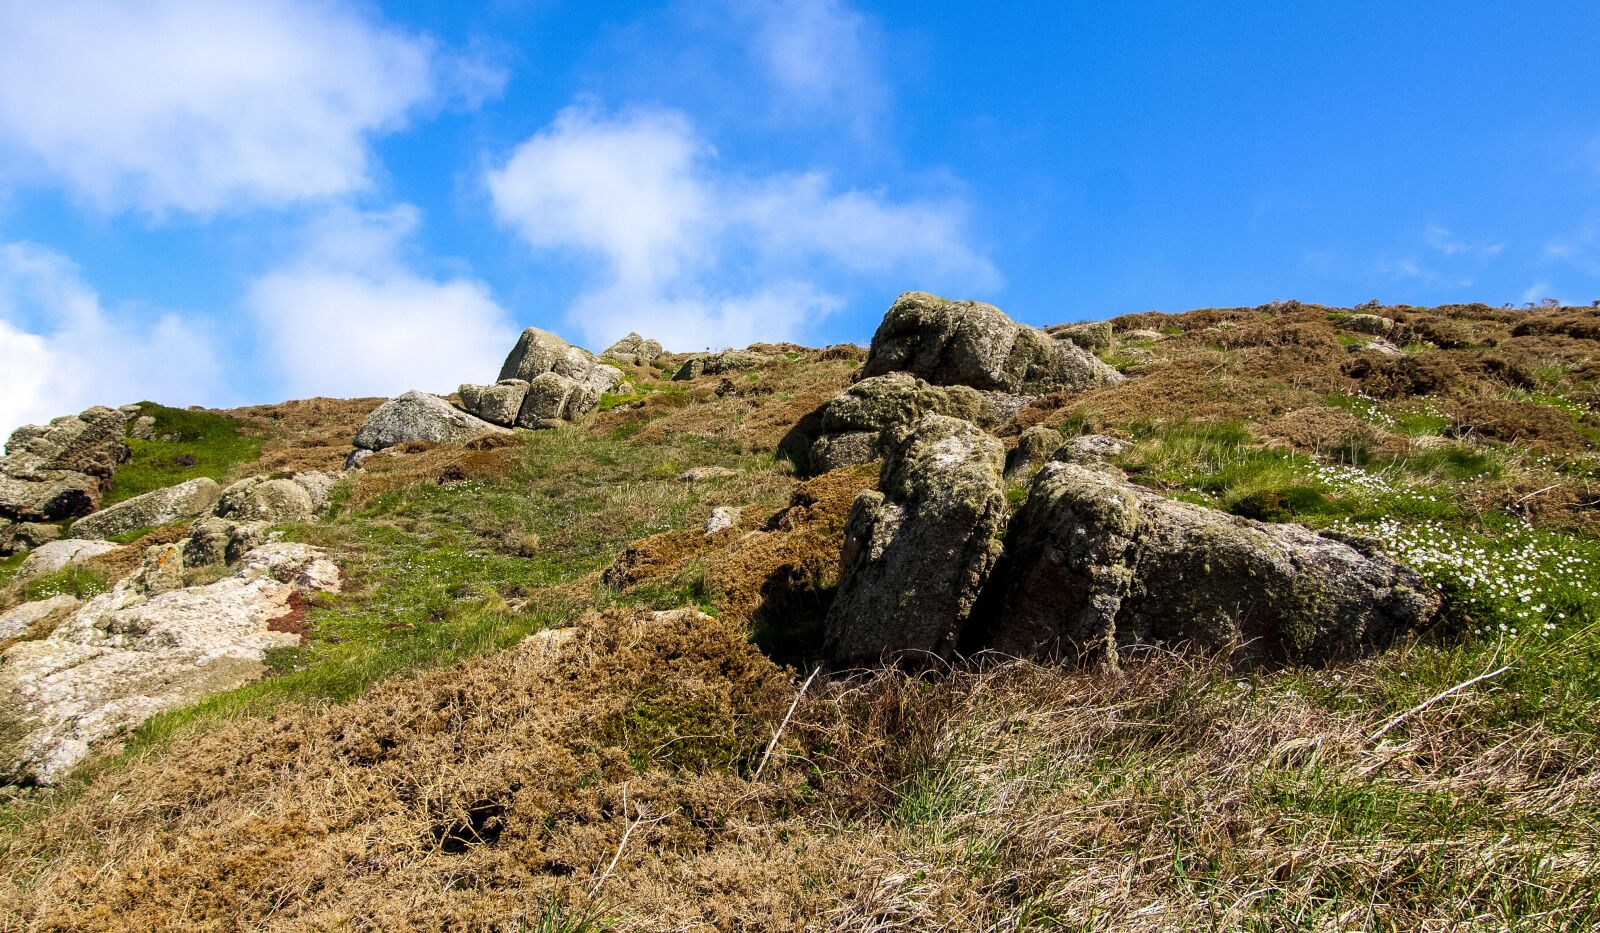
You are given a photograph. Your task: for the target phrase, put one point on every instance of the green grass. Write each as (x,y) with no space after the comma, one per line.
(207,444)
(79,581)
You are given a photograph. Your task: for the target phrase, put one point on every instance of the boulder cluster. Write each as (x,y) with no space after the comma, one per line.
(544,383)
(58,471)
(1090,564)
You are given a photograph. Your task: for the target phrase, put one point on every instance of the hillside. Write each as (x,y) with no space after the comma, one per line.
(1245,618)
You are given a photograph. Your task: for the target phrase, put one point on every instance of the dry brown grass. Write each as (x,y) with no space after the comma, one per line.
(308,434)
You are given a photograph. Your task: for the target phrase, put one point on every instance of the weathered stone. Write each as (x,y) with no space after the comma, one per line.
(48,496)
(259,499)
(917,553)
(703,473)
(55,555)
(1143,334)
(215,540)
(1093,336)
(1373,324)
(857,424)
(715,364)
(496,404)
(159,507)
(418,416)
(538,351)
(1090,449)
(33,534)
(318,484)
(18,621)
(90,442)
(722,518)
(1094,563)
(1033,449)
(160,570)
(143,428)
(634,349)
(125,656)
(554,397)
(355,458)
(973,344)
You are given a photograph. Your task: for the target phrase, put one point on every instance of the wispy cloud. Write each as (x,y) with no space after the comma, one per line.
(197,106)
(821,58)
(350,316)
(62,349)
(703,255)
(1442,241)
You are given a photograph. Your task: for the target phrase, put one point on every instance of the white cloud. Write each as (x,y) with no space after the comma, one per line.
(697,255)
(349,317)
(820,57)
(1443,241)
(202,106)
(61,350)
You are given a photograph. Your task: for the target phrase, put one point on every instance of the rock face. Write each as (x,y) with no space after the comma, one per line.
(715,364)
(973,344)
(18,621)
(1033,449)
(56,471)
(538,351)
(55,555)
(159,507)
(496,404)
(1090,449)
(125,656)
(634,349)
(858,425)
(917,553)
(259,499)
(553,398)
(1094,563)
(418,416)
(1090,335)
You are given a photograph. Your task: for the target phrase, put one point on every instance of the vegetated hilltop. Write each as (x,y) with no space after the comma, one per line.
(1247,618)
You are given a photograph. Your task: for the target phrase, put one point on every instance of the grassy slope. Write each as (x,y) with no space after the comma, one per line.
(203,444)
(1172,795)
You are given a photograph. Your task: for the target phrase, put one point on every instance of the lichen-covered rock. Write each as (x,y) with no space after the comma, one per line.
(858,424)
(90,442)
(158,507)
(1090,449)
(48,496)
(973,344)
(214,540)
(125,656)
(418,416)
(160,570)
(634,349)
(715,364)
(1033,450)
(55,555)
(17,621)
(917,552)
(539,351)
(1093,336)
(318,484)
(722,518)
(1373,324)
(1094,563)
(553,397)
(33,534)
(496,404)
(259,499)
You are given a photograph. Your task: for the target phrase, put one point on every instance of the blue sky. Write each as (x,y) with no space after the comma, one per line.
(247,201)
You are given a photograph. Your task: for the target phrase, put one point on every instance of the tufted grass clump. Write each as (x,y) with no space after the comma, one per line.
(204,444)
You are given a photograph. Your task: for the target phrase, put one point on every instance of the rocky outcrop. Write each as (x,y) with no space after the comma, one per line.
(1033,450)
(858,425)
(17,622)
(1372,324)
(496,404)
(260,499)
(33,534)
(553,399)
(125,656)
(973,344)
(418,416)
(917,552)
(715,364)
(55,555)
(1094,563)
(57,471)
(1090,449)
(159,507)
(634,349)
(539,351)
(1093,336)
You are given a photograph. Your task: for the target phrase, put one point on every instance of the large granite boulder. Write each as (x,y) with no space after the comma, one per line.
(17,621)
(159,507)
(496,404)
(56,471)
(1094,563)
(1033,450)
(715,364)
(539,351)
(857,426)
(1093,336)
(56,555)
(553,398)
(261,499)
(634,349)
(126,655)
(917,552)
(973,344)
(418,416)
